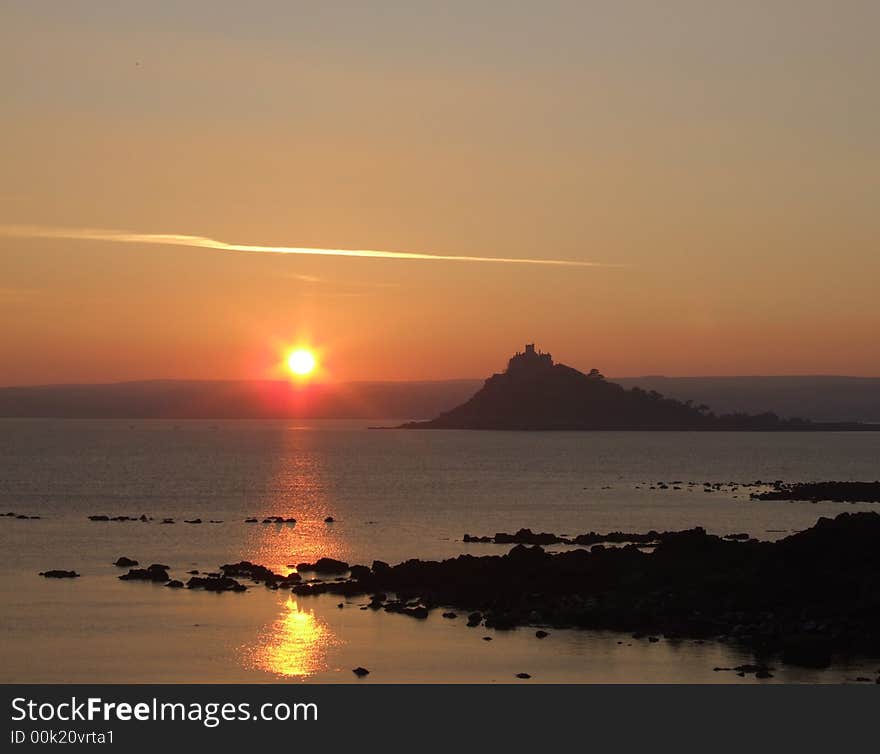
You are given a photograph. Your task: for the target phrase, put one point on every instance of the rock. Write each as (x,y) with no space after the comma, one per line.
(807,650)
(360,672)
(341,605)
(360,572)
(99,518)
(193,521)
(329,565)
(155,573)
(215,584)
(255,572)
(450,615)
(193,573)
(380,567)
(487,638)
(175,584)
(474,619)
(653,639)
(329,520)
(838,492)
(523,675)
(167,521)
(57,574)
(124,562)
(541,634)
(250,520)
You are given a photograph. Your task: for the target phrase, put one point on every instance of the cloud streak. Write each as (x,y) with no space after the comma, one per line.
(201,242)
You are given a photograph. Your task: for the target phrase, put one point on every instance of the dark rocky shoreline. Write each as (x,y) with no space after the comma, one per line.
(806,598)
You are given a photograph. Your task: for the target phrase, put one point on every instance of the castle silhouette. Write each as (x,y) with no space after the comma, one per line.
(529,360)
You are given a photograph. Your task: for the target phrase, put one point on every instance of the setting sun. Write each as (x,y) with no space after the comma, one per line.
(301,362)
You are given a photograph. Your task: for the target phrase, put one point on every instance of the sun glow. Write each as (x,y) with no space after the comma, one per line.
(301,362)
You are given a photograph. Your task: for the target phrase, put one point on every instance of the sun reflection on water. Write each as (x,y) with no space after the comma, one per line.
(295,645)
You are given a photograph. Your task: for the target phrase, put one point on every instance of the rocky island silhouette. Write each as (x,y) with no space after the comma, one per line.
(535,393)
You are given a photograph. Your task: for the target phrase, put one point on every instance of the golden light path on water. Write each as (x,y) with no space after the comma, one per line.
(296,643)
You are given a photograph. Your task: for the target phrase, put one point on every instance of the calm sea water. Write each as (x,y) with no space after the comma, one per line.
(393,495)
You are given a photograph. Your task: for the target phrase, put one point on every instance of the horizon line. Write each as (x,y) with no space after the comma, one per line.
(316,383)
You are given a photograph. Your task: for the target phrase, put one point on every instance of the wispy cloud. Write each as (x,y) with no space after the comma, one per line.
(174,239)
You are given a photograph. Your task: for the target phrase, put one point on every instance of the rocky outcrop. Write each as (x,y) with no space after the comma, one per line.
(534,393)
(807,597)
(837,492)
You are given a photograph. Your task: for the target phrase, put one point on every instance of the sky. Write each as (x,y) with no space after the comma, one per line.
(711,169)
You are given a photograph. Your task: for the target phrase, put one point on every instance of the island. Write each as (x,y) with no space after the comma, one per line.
(535,393)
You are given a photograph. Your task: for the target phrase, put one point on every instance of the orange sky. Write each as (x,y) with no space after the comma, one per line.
(723,162)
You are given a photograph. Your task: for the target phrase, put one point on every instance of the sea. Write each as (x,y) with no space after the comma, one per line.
(393,495)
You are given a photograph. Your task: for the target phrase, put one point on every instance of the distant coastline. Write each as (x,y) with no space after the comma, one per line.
(827,399)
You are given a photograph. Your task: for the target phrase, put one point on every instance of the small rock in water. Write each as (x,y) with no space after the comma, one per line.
(523,675)
(193,521)
(487,638)
(175,584)
(544,634)
(450,615)
(329,520)
(360,672)
(124,562)
(57,574)
(155,572)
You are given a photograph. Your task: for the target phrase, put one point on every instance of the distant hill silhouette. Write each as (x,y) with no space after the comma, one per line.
(534,393)
(234,399)
(832,399)
(817,397)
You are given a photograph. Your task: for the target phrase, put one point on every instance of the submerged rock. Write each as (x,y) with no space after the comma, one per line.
(124,562)
(58,574)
